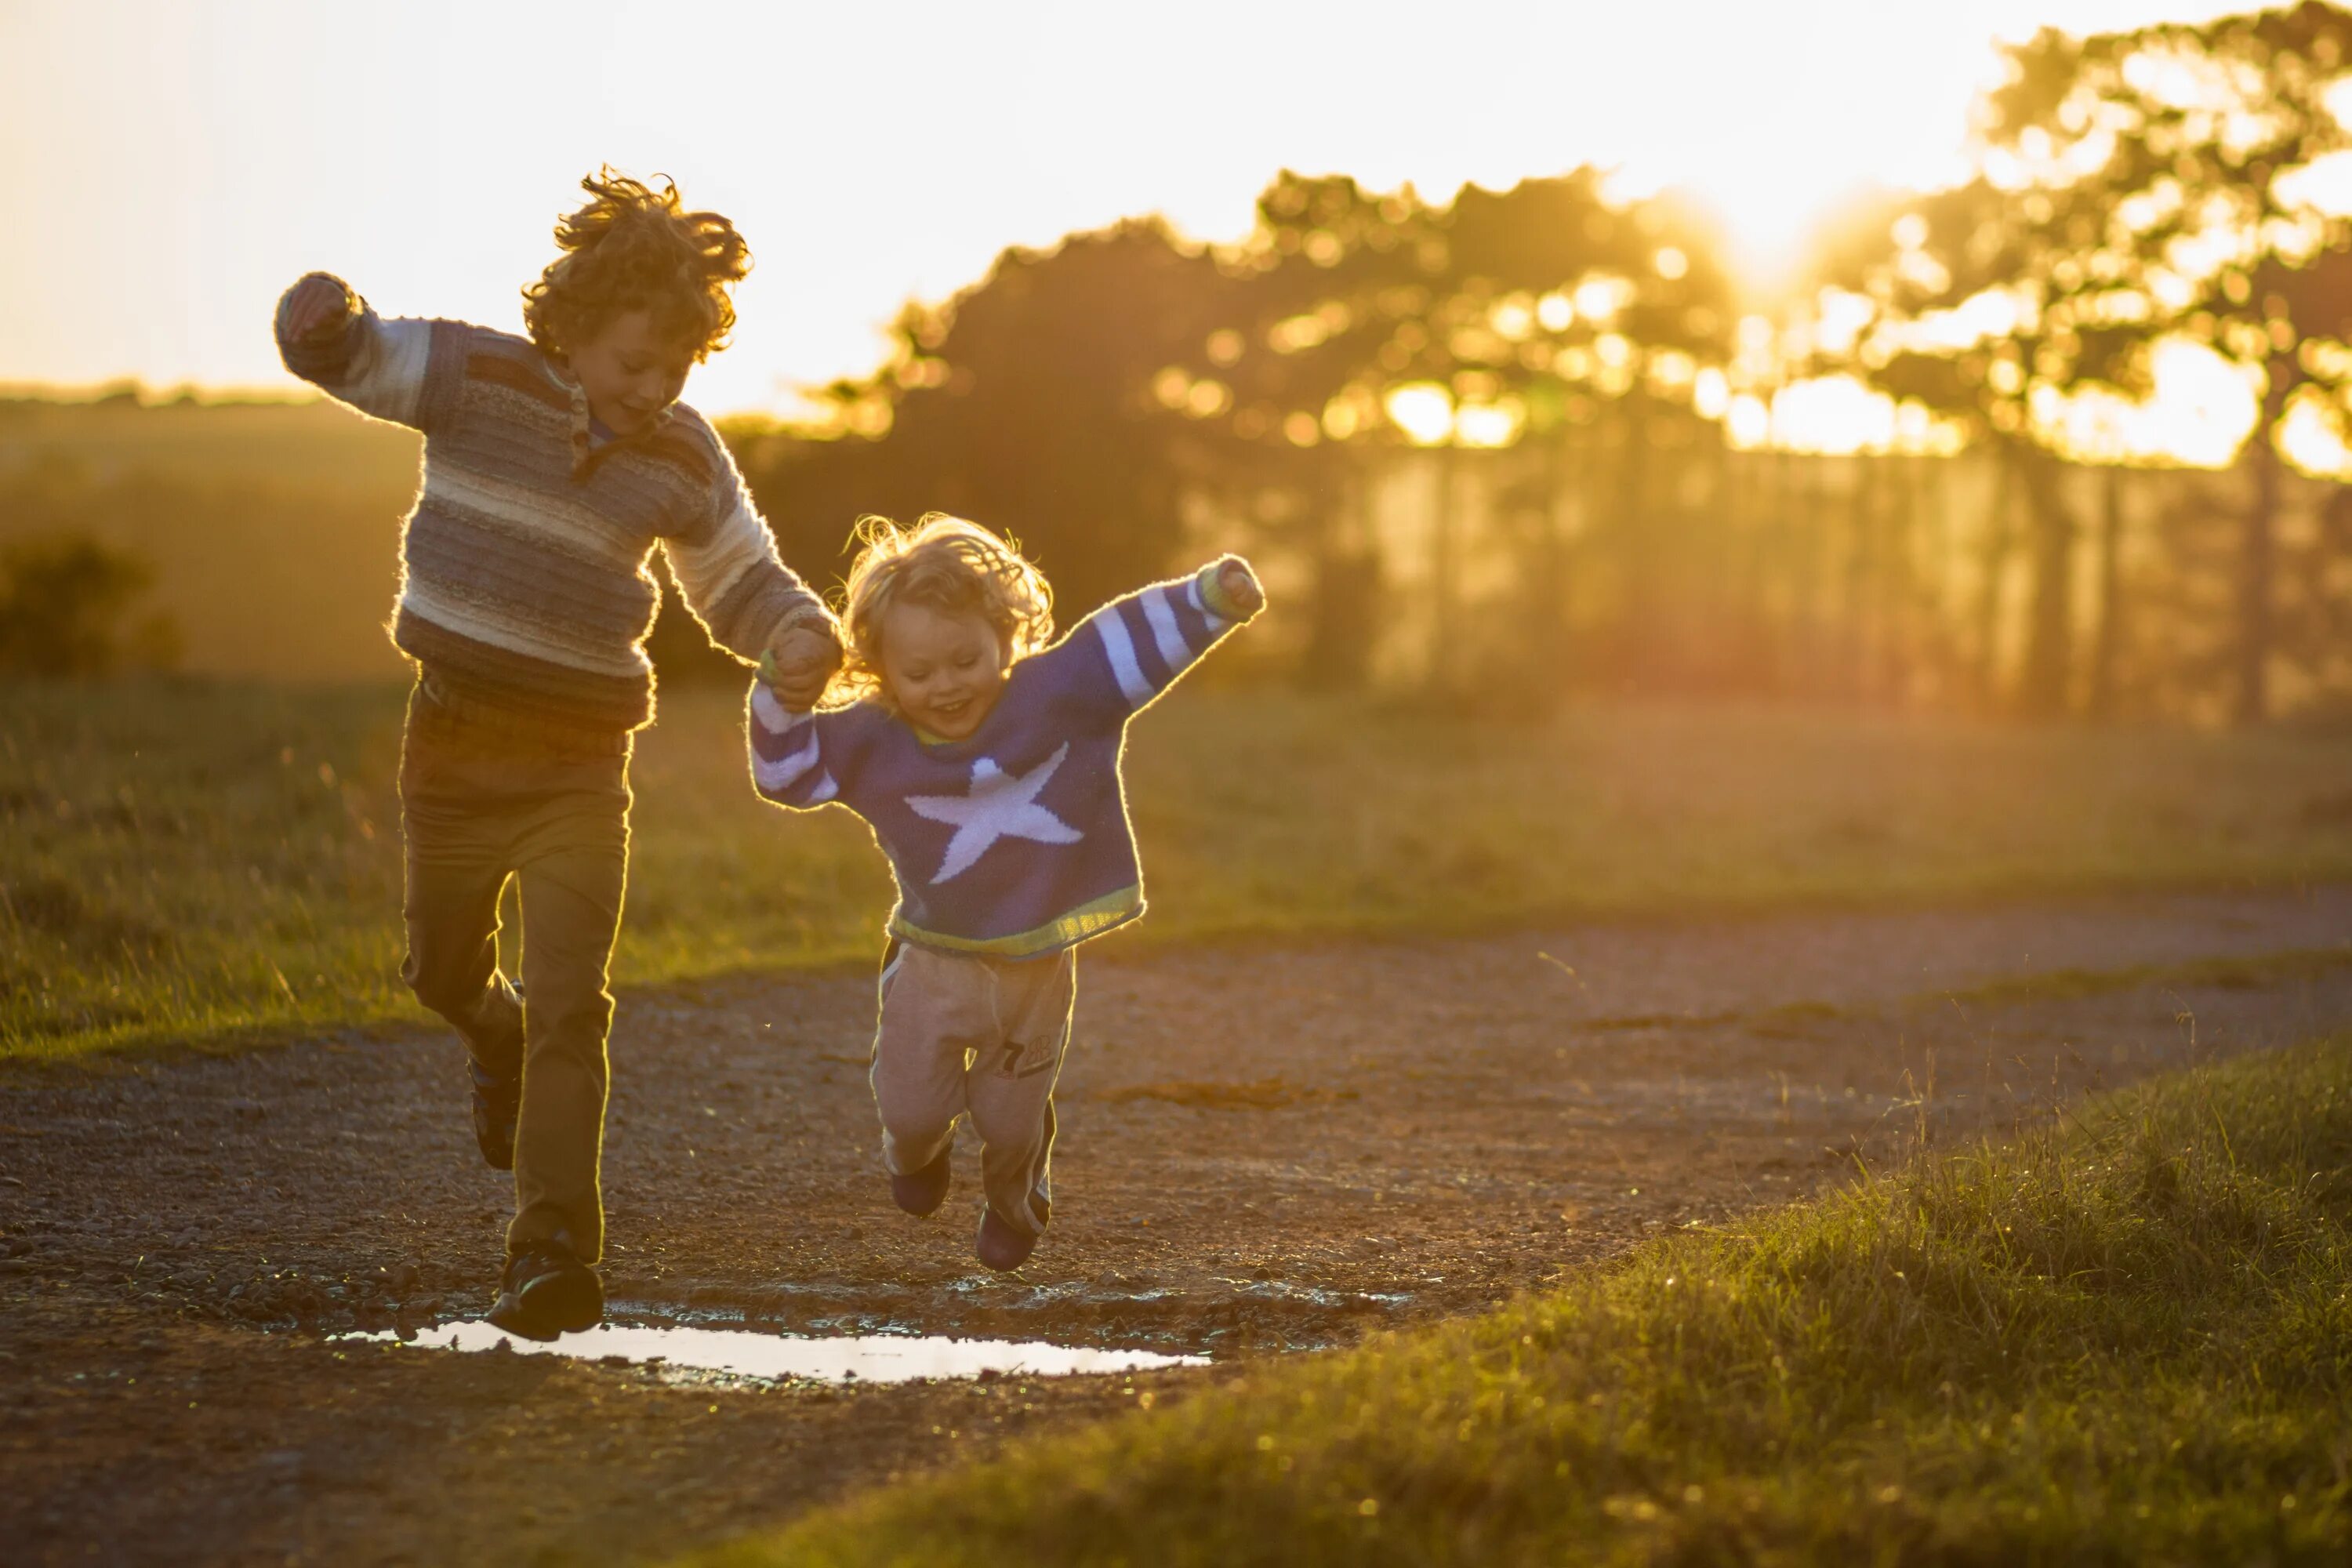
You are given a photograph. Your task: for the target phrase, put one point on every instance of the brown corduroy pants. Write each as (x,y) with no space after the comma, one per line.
(480,804)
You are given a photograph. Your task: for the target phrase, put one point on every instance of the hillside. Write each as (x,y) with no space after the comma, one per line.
(272,528)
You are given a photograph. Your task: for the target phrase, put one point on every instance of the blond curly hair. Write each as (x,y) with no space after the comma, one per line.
(633,248)
(948,565)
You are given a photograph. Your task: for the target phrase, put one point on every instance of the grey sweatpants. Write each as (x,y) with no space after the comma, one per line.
(962,1033)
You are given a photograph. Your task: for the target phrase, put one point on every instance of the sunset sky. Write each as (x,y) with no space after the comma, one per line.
(172,166)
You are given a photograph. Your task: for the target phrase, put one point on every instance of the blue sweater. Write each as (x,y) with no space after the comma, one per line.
(1014,841)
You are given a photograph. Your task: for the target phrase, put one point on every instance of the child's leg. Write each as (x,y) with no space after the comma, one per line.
(456,860)
(1010,1086)
(936,1010)
(575,857)
(452,916)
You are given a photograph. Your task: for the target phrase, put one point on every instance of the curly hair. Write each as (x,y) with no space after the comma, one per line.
(633,248)
(950,565)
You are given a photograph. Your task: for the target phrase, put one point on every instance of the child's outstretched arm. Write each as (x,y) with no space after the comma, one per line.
(749,602)
(1138,645)
(788,753)
(405,371)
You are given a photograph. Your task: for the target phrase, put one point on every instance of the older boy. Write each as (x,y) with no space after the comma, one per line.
(553,466)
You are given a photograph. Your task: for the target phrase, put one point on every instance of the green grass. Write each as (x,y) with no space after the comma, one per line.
(221,864)
(190,862)
(2129,1341)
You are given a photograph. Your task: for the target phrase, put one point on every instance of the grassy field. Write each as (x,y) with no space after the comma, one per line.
(2130,1342)
(273,529)
(207,862)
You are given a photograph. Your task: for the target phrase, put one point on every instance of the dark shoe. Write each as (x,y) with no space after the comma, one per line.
(1002,1246)
(497,1102)
(922,1192)
(547,1291)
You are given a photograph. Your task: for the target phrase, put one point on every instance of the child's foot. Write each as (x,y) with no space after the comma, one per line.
(921,1193)
(547,1291)
(1002,1246)
(497,1103)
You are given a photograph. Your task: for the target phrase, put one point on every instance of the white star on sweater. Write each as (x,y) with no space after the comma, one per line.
(1000,805)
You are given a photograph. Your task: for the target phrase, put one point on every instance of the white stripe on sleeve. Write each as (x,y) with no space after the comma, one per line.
(786,771)
(773,716)
(391,384)
(1121,649)
(1173,650)
(706,571)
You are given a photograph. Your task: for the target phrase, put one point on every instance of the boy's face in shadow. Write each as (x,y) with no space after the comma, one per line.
(629,372)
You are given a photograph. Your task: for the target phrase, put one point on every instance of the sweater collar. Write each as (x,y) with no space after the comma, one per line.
(969,745)
(587,449)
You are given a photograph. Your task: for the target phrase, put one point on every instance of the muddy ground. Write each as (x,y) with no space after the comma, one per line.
(1263,1150)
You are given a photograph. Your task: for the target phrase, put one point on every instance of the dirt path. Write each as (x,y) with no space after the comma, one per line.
(1262,1149)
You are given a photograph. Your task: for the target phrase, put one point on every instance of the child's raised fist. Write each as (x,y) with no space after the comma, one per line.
(315,304)
(1240,586)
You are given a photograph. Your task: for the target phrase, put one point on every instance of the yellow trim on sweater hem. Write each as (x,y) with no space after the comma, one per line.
(1088,919)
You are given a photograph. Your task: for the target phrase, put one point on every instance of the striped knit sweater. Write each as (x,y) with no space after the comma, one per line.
(526,586)
(1014,840)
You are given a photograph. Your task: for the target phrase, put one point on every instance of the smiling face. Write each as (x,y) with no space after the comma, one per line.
(630,371)
(945,672)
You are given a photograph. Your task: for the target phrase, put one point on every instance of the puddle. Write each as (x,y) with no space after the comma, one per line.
(1314,1295)
(860,1358)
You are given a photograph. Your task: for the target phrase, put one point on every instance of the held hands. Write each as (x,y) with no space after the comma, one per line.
(1240,586)
(800,667)
(316,303)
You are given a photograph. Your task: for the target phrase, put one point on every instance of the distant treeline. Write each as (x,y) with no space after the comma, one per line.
(1521,445)
(1530,443)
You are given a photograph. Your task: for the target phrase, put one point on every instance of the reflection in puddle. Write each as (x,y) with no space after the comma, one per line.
(863,1358)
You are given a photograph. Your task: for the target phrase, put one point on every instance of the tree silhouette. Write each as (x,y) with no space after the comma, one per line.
(1280,398)
(2135,189)
(1956,283)
(1025,404)
(1093,399)
(2205,130)
(1549,320)
(1490,425)
(70,597)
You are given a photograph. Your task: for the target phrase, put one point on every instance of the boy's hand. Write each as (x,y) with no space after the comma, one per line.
(316,302)
(1239,584)
(800,667)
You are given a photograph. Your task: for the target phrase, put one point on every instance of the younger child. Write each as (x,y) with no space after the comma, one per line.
(554,466)
(988,771)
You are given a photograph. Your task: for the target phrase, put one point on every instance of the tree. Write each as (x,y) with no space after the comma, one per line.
(1532,321)
(65,606)
(1025,404)
(2137,191)
(69,599)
